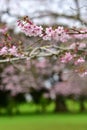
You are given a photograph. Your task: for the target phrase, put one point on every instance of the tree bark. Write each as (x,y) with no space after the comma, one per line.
(60,105)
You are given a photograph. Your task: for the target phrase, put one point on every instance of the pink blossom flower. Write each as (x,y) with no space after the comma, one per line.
(49,31)
(79,61)
(13,51)
(48,34)
(67,57)
(59,34)
(46,37)
(20,23)
(29,28)
(4,51)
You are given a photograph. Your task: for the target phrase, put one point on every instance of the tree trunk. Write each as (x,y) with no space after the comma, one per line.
(60,105)
(82,107)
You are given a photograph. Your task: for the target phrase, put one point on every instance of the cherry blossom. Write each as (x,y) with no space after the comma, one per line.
(9,51)
(13,51)
(4,51)
(79,61)
(67,44)
(67,57)
(60,34)
(29,28)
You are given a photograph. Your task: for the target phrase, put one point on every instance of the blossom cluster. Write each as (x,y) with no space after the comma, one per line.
(79,61)
(58,34)
(75,60)
(12,51)
(30,29)
(67,57)
(75,53)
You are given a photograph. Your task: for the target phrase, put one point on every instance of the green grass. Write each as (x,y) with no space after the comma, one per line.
(45,122)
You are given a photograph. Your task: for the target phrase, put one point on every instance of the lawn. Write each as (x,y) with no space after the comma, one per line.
(45,122)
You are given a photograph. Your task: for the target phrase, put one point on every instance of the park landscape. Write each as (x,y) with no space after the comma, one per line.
(43,65)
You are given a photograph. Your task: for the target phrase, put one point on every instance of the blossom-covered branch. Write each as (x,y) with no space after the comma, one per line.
(67,44)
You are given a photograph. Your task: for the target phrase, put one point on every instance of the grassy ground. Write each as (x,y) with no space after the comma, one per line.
(45,122)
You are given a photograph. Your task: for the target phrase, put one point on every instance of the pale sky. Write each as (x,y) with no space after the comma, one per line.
(32,7)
